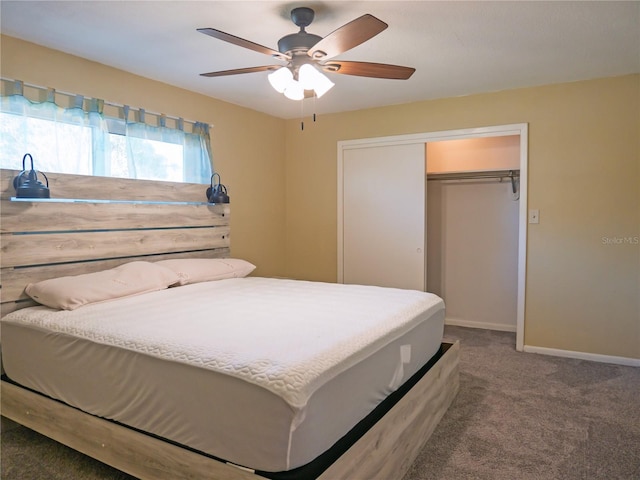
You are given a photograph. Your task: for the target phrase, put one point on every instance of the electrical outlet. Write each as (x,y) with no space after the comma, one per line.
(534,216)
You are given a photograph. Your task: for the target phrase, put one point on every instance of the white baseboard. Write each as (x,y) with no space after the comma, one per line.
(484,325)
(594,357)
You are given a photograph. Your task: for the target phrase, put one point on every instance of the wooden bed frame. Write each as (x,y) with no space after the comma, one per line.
(116,221)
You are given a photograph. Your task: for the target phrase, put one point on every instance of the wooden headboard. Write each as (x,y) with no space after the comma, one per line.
(112,221)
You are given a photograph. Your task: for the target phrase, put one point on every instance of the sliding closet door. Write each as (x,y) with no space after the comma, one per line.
(383,216)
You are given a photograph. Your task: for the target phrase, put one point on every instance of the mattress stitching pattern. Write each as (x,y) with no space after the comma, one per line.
(251,328)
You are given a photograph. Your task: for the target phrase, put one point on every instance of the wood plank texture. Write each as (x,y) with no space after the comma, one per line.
(22,250)
(44,217)
(83,186)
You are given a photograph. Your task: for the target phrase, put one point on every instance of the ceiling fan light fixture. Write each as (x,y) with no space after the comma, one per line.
(312,79)
(280,79)
(294,90)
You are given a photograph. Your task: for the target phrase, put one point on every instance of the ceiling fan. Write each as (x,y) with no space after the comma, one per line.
(306,54)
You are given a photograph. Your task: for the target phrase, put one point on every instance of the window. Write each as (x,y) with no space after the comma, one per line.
(82,140)
(61,148)
(159,160)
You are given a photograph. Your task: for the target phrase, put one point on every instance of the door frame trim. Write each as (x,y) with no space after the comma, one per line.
(520,129)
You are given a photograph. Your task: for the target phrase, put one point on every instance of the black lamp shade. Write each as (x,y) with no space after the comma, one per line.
(27,184)
(219,196)
(217,193)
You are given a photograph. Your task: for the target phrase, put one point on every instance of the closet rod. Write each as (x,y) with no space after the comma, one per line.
(473,175)
(512,174)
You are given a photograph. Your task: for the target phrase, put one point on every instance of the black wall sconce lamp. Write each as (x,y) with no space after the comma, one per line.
(217,192)
(27,184)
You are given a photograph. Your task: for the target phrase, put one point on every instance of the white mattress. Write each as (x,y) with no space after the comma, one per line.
(264,373)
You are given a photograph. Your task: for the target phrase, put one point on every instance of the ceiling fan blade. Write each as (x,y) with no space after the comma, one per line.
(367,69)
(238,71)
(348,36)
(241,42)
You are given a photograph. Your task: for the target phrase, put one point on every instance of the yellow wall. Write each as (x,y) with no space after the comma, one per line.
(583,289)
(252,170)
(584,156)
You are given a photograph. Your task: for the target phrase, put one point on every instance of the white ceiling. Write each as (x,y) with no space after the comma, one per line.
(457,47)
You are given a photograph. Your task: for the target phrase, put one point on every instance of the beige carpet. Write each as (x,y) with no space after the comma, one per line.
(517,417)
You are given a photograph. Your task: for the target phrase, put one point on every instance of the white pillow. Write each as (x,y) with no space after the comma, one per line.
(194,270)
(133,278)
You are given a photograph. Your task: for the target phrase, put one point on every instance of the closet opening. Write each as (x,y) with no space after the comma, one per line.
(472,229)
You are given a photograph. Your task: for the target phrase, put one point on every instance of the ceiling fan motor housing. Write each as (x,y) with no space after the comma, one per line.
(297,42)
(302,41)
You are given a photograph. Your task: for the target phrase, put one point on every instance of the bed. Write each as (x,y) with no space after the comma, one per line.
(365,414)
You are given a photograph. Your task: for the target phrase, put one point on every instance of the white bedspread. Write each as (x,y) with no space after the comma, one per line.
(287,336)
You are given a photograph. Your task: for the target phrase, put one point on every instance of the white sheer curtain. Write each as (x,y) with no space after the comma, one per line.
(197,153)
(65,140)
(80,139)
(144,160)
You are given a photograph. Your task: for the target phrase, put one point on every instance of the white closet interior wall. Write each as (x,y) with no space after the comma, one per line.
(472,232)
